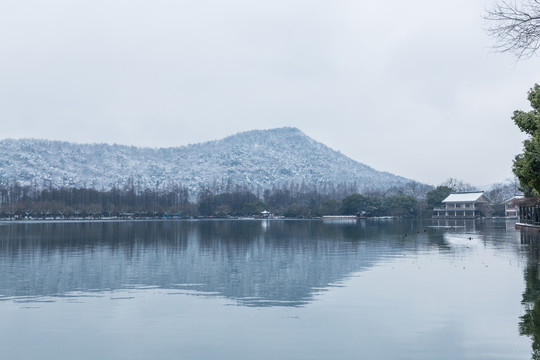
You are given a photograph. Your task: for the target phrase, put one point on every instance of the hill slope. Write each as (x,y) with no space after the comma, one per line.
(255,158)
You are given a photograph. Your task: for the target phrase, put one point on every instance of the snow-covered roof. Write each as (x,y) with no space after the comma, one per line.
(517,197)
(464,197)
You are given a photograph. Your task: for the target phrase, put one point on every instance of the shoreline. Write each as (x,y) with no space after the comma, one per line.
(527,226)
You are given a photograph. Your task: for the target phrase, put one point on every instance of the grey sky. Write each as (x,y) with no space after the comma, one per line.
(411,87)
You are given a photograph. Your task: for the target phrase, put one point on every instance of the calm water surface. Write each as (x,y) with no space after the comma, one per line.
(268,290)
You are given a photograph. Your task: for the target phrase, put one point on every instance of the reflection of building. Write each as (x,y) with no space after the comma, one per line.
(511,207)
(464,205)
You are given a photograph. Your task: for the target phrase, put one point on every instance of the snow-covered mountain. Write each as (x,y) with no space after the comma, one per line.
(258,158)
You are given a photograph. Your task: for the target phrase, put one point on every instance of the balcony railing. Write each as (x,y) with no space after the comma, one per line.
(457,209)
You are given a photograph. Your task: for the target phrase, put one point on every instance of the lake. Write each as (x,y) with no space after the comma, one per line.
(269,289)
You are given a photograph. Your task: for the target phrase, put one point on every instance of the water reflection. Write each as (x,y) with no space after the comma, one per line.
(372,289)
(530,321)
(256,263)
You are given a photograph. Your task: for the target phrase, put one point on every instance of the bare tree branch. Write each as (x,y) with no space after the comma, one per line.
(516,28)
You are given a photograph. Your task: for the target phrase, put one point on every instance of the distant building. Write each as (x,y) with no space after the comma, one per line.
(464,205)
(511,207)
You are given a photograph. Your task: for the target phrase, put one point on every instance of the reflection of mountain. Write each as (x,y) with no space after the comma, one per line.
(257,263)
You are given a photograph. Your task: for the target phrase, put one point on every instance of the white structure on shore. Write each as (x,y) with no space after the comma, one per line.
(464,205)
(511,207)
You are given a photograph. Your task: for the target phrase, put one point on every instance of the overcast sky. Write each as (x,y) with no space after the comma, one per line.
(410,87)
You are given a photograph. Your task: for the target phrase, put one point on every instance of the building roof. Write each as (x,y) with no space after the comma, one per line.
(511,200)
(464,197)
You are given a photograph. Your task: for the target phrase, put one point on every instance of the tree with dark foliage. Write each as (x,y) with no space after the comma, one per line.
(527,165)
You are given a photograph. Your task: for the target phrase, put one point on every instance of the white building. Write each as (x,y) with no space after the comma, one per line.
(511,207)
(464,205)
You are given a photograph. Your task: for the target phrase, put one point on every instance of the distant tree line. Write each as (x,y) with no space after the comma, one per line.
(291,200)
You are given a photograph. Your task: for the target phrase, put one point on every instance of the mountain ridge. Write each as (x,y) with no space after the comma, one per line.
(255,158)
